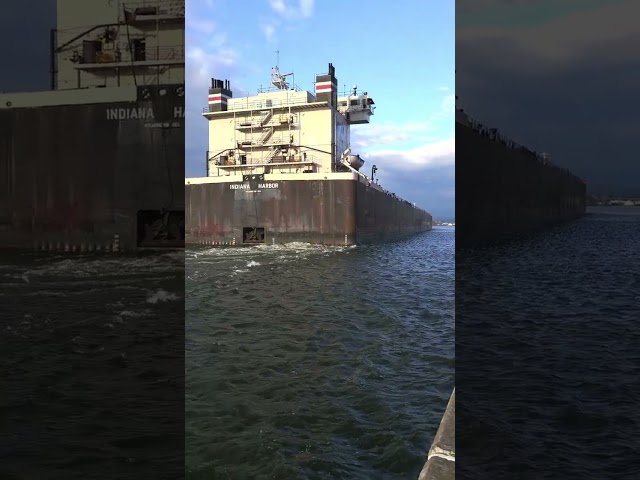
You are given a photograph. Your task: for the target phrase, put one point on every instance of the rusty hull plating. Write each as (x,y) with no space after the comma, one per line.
(328,212)
(90,177)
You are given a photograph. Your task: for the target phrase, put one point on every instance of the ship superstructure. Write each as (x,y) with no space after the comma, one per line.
(105,170)
(282,129)
(280,168)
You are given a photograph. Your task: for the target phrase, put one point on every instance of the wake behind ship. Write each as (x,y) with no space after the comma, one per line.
(280,169)
(96,163)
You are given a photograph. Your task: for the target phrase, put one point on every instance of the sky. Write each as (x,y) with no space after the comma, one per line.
(24,45)
(403,57)
(560,76)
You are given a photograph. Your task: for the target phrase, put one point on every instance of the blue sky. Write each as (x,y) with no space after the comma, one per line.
(404,57)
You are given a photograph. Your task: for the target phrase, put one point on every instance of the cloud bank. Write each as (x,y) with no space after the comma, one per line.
(565,84)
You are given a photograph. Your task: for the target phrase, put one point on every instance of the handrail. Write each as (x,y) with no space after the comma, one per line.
(495,135)
(271,88)
(165,7)
(349,93)
(174,52)
(308,159)
(264,104)
(270,164)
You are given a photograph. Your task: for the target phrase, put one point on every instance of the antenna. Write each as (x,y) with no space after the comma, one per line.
(278,79)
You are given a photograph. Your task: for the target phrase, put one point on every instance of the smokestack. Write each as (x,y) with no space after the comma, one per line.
(327,87)
(219,93)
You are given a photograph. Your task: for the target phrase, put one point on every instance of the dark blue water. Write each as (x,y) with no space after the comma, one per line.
(93,366)
(548,341)
(317,362)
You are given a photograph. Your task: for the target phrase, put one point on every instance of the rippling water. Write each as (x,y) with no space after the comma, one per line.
(93,379)
(316,362)
(547,331)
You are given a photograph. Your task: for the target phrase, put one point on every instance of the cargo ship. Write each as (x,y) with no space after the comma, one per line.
(96,163)
(280,169)
(511,189)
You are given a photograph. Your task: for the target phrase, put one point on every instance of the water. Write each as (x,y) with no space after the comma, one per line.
(93,377)
(548,364)
(317,362)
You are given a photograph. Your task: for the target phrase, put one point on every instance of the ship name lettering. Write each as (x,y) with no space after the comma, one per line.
(239,186)
(268,185)
(144,113)
(129,113)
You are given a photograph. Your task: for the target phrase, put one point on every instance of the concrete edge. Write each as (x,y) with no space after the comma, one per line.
(440,464)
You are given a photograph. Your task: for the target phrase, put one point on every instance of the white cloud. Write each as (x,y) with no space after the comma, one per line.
(269,31)
(201,25)
(387,133)
(202,65)
(411,146)
(306,7)
(289,10)
(428,156)
(278,6)
(448,105)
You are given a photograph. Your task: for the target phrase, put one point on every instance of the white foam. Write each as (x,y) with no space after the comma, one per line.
(161,296)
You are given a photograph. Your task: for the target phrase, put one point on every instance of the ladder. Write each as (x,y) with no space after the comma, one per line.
(266,133)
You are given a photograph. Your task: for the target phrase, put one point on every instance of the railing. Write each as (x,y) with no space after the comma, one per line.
(246,124)
(264,141)
(290,164)
(271,88)
(175,52)
(268,160)
(257,126)
(174,8)
(152,54)
(495,135)
(248,169)
(266,133)
(264,104)
(349,93)
(259,105)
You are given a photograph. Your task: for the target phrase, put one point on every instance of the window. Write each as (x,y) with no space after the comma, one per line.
(139,50)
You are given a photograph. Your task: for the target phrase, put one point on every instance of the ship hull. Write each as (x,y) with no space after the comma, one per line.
(94,176)
(510,192)
(318,211)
